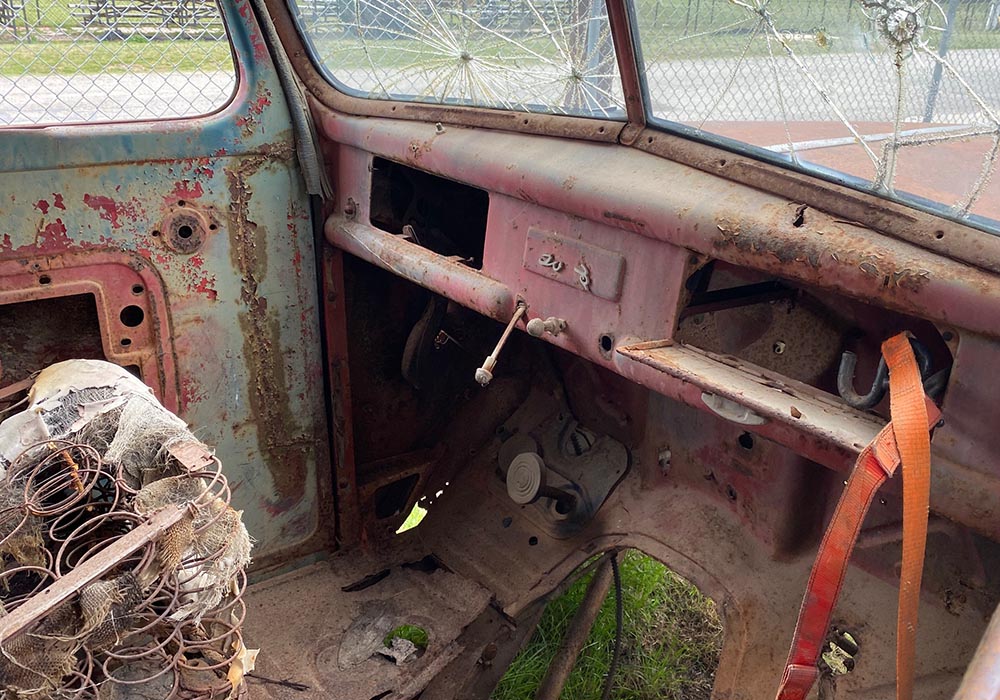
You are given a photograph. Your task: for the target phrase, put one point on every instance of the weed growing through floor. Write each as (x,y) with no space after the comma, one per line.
(670,647)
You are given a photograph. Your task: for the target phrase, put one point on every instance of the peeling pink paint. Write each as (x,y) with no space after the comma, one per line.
(257,106)
(184,190)
(112,211)
(57,201)
(105,205)
(54,236)
(206,287)
(42,206)
(259,49)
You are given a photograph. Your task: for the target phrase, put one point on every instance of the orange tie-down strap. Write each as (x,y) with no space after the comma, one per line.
(906,441)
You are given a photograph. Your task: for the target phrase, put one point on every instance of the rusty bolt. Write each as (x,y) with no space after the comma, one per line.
(489,653)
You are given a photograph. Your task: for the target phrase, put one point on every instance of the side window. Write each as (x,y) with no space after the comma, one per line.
(64,61)
(551,56)
(901,98)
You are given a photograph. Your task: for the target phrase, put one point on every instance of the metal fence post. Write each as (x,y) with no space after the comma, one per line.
(935,86)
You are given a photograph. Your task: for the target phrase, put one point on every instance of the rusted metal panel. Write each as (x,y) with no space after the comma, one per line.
(882,215)
(687,208)
(767,395)
(230,335)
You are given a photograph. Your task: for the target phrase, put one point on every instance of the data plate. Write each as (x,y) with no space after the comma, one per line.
(587,267)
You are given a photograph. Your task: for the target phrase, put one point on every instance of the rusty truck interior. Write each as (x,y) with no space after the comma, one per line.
(540,269)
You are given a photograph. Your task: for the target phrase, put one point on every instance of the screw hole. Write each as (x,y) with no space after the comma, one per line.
(44,279)
(132,316)
(730,492)
(156,233)
(746,441)
(939,235)
(607,343)
(185,231)
(800,216)
(138,289)
(506,522)
(947,336)
(126,342)
(532,541)
(649,140)
(181,203)
(525,121)
(212,227)
(722,162)
(600,130)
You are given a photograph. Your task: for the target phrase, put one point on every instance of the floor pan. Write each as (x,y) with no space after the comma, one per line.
(320,629)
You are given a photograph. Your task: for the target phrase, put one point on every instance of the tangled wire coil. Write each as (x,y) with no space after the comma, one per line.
(163,621)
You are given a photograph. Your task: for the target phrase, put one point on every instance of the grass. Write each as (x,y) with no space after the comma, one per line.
(671,642)
(670,646)
(94,57)
(669,28)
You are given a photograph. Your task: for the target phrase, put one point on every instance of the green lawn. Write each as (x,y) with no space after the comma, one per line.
(94,57)
(670,646)
(669,29)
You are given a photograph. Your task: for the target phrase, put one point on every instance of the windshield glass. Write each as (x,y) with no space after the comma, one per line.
(894,96)
(528,55)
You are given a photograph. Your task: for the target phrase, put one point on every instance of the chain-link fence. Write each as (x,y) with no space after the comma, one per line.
(99,60)
(719,60)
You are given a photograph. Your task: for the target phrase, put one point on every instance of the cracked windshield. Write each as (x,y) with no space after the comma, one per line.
(529,55)
(901,97)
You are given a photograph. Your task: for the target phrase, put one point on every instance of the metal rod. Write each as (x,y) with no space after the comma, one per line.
(935,85)
(484,375)
(562,664)
(104,561)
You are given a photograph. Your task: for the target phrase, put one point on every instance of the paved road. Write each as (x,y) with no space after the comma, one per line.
(82,98)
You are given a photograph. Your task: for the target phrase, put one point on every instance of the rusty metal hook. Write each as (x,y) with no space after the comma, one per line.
(864,402)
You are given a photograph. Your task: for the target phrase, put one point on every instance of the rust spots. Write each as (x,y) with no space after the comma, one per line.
(816,246)
(285,450)
(875,265)
(248,123)
(754,240)
(632,222)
